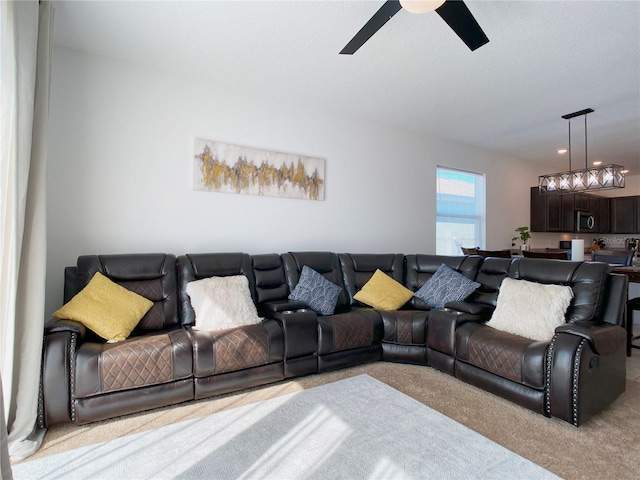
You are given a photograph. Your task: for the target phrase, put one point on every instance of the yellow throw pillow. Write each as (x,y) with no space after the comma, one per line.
(383,292)
(107,308)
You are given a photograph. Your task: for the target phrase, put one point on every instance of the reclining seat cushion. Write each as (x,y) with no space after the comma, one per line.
(404,331)
(405,327)
(510,356)
(148,356)
(521,359)
(350,330)
(234,349)
(136,362)
(347,329)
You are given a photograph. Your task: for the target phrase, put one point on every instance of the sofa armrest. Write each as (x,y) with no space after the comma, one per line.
(268,308)
(442,325)
(604,338)
(482,310)
(61,341)
(300,328)
(56,325)
(580,381)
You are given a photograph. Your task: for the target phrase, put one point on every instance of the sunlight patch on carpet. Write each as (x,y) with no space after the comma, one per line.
(353,428)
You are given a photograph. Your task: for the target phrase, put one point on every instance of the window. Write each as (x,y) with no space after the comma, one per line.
(460,205)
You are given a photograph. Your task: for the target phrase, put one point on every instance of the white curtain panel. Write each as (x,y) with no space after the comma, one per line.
(26,29)
(5,464)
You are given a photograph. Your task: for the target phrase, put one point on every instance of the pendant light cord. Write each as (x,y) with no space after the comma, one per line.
(585,141)
(570,149)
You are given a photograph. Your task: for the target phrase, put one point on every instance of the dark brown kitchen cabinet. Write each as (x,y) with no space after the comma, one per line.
(582,202)
(601,209)
(572,203)
(554,213)
(568,209)
(557,213)
(538,207)
(625,215)
(547,212)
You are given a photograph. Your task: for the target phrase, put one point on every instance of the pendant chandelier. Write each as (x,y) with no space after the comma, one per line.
(587,179)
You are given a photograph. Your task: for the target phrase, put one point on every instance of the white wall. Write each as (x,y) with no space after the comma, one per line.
(120,172)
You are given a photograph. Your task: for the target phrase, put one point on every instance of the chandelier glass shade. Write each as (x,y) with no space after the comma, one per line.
(602,177)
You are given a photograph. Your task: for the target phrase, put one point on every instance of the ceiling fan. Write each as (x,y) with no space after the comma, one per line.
(454,12)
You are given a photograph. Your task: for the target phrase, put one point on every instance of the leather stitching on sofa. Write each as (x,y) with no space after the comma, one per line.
(237,349)
(498,352)
(352,331)
(154,318)
(576,377)
(404,328)
(146,361)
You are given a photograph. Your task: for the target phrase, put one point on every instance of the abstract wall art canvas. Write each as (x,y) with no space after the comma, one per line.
(222,167)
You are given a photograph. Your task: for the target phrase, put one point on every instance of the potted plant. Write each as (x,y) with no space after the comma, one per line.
(523,235)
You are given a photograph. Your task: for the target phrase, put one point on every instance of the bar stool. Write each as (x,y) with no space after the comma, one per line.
(633,305)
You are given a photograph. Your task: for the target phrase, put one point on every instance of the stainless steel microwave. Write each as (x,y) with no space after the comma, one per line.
(585,222)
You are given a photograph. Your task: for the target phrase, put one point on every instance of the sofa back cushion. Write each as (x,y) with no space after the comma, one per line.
(490,275)
(325,263)
(197,266)
(271,283)
(421,267)
(358,268)
(586,279)
(152,275)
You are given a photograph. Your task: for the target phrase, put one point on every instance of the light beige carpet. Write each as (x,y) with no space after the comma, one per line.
(354,428)
(607,447)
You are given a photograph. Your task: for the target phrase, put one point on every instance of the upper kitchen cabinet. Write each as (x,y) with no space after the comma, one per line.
(546,212)
(538,216)
(601,211)
(582,202)
(625,214)
(558,213)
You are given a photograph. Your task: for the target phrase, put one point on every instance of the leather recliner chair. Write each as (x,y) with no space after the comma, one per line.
(230,359)
(348,337)
(85,379)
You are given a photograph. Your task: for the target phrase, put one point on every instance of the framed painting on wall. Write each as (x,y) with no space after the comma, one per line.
(227,168)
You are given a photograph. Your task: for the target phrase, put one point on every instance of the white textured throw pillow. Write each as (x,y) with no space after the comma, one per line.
(529,309)
(222,302)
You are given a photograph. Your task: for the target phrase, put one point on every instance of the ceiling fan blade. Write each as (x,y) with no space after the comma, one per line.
(461,21)
(375,23)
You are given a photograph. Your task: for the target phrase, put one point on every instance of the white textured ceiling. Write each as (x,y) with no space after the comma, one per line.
(544,59)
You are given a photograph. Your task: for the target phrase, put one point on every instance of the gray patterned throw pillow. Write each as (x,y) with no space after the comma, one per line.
(316,291)
(446,285)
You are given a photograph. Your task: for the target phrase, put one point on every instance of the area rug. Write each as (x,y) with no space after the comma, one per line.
(358,427)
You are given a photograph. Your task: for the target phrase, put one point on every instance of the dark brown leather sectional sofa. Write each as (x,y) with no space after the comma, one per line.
(164,361)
